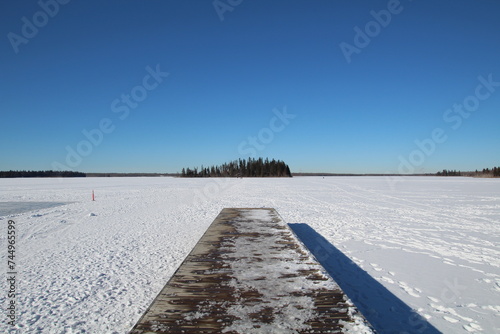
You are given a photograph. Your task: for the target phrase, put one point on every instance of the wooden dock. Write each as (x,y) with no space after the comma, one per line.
(250,274)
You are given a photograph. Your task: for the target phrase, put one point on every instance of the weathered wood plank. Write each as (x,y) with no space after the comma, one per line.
(250,274)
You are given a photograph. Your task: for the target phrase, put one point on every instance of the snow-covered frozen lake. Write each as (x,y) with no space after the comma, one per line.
(94,267)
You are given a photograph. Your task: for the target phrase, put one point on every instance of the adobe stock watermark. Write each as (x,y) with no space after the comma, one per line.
(121,106)
(454,117)
(247,148)
(223,6)
(250,146)
(452,291)
(212,189)
(371,29)
(30,27)
(12,274)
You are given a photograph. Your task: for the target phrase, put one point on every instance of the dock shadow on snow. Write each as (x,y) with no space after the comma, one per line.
(386,312)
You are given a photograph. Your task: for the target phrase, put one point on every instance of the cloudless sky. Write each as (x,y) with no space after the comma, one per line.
(234,68)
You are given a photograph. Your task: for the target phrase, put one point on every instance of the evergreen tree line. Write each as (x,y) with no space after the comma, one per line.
(495,172)
(242,168)
(486,172)
(446,172)
(41,173)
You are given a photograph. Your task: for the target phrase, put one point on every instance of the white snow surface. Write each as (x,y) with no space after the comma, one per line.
(95,266)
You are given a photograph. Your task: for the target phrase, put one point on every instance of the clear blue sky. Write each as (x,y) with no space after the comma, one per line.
(359,100)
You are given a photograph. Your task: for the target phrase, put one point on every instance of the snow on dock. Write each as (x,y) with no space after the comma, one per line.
(249,273)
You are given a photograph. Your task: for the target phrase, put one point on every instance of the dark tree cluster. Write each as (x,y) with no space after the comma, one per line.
(41,173)
(494,172)
(446,172)
(242,168)
(486,172)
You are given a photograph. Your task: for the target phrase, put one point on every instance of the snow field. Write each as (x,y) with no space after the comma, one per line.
(432,242)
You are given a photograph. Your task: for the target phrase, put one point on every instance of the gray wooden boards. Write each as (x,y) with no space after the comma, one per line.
(250,274)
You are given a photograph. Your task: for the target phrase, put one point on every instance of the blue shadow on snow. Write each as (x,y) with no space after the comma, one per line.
(385,312)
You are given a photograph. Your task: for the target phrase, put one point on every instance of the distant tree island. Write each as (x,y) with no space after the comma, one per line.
(242,168)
